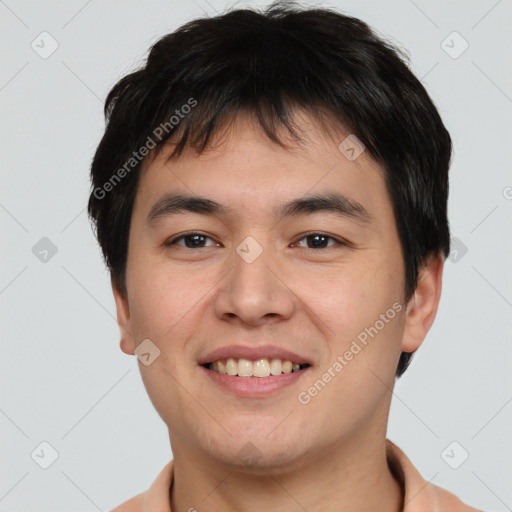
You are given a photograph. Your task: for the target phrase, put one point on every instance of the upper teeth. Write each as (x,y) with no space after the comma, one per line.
(258,368)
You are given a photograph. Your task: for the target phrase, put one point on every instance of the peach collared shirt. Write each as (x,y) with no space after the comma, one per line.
(420,495)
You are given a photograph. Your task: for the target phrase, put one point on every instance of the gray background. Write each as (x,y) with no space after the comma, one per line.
(64,379)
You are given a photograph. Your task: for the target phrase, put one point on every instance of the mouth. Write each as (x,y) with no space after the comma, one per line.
(258,368)
(256,371)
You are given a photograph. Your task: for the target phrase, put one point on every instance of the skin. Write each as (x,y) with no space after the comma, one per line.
(324,456)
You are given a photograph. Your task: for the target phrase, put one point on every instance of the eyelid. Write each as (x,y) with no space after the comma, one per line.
(173,240)
(339,241)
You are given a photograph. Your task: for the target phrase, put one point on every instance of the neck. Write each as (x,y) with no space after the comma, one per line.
(351,476)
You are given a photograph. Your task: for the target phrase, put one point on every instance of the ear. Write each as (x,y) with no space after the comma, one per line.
(124,320)
(422,308)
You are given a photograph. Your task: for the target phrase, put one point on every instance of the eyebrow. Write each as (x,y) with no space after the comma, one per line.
(337,203)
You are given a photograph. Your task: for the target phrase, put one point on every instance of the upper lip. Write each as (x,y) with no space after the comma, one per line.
(252,353)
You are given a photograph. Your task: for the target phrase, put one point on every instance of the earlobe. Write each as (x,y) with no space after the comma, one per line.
(422,308)
(124,321)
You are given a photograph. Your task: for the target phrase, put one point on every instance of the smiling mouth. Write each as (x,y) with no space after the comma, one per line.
(258,368)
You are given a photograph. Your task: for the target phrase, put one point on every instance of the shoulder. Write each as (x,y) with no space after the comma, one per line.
(421,495)
(156,498)
(450,503)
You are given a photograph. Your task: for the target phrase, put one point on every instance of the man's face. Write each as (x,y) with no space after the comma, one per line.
(309,283)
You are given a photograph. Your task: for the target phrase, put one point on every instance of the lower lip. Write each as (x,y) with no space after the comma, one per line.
(254,386)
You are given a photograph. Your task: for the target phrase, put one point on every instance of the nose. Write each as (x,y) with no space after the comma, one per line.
(254,292)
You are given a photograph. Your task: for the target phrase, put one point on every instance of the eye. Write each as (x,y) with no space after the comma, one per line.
(319,241)
(192,240)
(196,240)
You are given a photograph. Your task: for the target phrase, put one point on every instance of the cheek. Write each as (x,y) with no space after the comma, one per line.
(161,297)
(354,384)
(349,297)
(163,309)
(362,316)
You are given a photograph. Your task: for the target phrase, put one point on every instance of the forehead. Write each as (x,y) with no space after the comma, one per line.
(243,169)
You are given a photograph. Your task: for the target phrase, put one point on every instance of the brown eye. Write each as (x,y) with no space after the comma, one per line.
(319,241)
(191,241)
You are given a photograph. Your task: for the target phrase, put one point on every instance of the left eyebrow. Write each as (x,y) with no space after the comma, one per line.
(337,203)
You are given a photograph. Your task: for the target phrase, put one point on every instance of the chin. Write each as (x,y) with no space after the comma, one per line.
(260,453)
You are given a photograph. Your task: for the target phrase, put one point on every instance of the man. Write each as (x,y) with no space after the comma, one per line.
(270,197)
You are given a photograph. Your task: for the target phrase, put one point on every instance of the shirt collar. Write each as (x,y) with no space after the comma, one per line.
(420,495)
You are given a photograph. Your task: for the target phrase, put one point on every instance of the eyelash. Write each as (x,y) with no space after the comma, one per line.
(307,235)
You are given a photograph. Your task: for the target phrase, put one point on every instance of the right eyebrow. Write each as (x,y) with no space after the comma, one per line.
(176,203)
